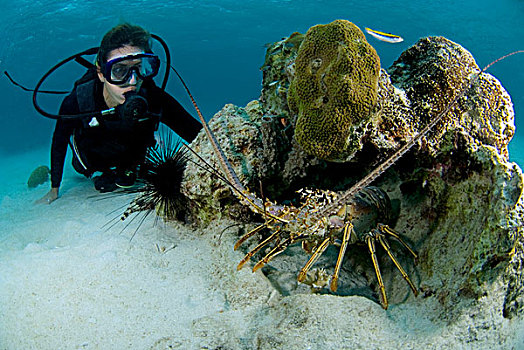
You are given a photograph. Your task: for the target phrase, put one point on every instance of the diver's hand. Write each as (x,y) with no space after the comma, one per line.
(49,198)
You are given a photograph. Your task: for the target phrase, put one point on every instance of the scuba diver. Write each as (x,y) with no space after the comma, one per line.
(115,146)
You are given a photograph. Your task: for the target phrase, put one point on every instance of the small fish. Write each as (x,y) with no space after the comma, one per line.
(387,37)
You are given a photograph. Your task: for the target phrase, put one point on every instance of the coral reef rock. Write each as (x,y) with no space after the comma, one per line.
(334,89)
(432,72)
(459,197)
(208,197)
(39,176)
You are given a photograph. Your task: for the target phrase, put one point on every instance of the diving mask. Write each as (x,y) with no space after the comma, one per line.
(118,71)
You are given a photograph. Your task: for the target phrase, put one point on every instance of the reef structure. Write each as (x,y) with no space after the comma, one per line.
(334,89)
(39,176)
(459,197)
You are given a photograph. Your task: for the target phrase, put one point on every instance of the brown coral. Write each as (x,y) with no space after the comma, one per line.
(434,70)
(39,176)
(334,89)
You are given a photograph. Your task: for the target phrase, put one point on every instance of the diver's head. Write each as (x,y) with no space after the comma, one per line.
(124,60)
(124,34)
(131,81)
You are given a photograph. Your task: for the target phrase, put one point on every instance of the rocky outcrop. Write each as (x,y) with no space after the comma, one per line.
(458,197)
(334,89)
(39,176)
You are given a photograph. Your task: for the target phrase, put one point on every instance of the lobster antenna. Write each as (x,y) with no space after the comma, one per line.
(226,166)
(210,169)
(231,177)
(369,178)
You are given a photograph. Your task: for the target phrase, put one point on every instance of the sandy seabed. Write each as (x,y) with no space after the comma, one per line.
(68,281)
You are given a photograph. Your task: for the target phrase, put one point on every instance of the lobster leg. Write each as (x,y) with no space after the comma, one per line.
(314,257)
(370,240)
(386,229)
(386,247)
(348,229)
(249,235)
(257,248)
(274,252)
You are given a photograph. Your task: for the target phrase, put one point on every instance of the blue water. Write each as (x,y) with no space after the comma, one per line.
(218,46)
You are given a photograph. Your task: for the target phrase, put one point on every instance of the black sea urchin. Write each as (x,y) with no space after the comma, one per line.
(159,182)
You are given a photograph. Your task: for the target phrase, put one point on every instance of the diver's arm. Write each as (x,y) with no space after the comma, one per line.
(177,118)
(49,197)
(63,131)
(61,135)
(58,153)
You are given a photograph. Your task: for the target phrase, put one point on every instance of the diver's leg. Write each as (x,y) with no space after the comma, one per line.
(125,177)
(105,182)
(91,155)
(80,167)
(127,169)
(79,162)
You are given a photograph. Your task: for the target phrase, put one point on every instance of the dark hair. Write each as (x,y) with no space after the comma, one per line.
(124,34)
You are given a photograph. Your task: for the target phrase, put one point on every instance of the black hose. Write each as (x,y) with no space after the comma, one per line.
(78,58)
(90,51)
(168,59)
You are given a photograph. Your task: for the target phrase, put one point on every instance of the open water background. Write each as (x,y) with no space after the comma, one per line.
(60,267)
(218,46)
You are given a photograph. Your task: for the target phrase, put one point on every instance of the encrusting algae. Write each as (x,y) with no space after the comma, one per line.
(39,176)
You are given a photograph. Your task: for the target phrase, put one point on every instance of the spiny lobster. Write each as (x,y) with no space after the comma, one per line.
(326,217)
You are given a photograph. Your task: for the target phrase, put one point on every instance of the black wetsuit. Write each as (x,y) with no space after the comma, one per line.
(115,143)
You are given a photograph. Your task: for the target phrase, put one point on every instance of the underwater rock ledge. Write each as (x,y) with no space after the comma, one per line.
(460,198)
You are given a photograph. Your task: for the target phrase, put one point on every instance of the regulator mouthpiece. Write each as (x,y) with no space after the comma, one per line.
(134,107)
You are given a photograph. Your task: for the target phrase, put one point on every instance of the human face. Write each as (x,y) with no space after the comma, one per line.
(114,94)
(119,70)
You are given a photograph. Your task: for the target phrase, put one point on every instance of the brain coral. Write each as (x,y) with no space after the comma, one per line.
(334,90)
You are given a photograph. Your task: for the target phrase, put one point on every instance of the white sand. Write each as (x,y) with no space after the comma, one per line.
(68,283)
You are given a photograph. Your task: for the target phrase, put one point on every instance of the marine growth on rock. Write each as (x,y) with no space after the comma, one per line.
(457,196)
(39,176)
(334,89)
